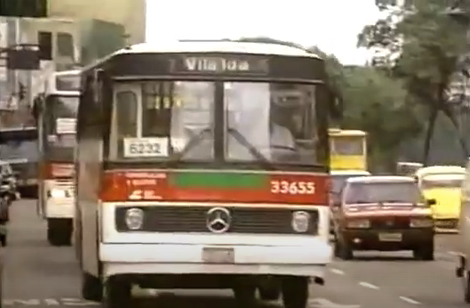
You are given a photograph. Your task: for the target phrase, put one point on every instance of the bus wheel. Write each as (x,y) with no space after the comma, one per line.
(295,292)
(59,231)
(117,292)
(3,239)
(92,288)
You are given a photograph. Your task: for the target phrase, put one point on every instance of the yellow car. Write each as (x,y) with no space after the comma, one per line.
(443,184)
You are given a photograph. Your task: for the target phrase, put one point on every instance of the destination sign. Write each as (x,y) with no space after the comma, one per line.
(243,65)
(227,65)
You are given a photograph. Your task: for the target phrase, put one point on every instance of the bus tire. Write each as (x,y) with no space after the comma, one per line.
(295,292)
(271,293)
(92,288)
(59,231)
(3,240)
(117,292)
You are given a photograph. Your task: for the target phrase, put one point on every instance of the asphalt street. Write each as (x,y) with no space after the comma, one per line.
(38,275)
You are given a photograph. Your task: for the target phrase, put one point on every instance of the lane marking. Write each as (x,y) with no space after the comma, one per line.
(368,285)
(337,271)
(409,300)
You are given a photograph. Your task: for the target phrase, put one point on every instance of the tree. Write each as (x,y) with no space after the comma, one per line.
(421,45)
(376,103)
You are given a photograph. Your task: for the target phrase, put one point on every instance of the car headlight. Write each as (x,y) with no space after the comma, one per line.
(57,193)
(421,223)
(134,218)
(300,221)
(359,224)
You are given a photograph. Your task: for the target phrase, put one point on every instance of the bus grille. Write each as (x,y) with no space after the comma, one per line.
(194,219)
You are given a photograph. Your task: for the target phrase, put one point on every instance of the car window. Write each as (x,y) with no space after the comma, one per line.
(399,192)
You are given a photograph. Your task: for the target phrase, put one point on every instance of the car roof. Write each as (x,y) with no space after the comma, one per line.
(349,172)
(439,170)
(381,179)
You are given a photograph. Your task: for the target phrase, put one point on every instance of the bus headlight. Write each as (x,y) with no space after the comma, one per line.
(421,223)
(134,218)
(300,221)
(359,224)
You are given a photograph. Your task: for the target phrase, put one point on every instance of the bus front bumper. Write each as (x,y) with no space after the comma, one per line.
(140,258)
(60,208)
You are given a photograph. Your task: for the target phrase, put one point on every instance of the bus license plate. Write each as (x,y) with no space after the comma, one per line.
(218,255)
(390,237)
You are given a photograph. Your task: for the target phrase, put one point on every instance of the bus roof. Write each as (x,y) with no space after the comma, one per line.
(218,46)
(64,93)
(439,170)
(209,46)
(346,132)
(67,73)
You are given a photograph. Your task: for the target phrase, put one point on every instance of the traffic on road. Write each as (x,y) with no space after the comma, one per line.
(37,274)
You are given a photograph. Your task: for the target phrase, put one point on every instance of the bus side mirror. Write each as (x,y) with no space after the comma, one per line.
(335,103)
(431,202)
(98,77)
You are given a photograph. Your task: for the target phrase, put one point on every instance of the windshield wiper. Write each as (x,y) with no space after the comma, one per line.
(190,145)
(253,151)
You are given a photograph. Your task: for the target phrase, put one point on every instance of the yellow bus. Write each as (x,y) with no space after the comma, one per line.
(443,183)
(348,149)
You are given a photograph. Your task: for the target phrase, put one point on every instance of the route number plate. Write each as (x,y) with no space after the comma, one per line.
(390,237)
(218,255)
(145,147)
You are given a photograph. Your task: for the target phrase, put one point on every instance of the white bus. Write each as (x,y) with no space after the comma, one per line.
(56,112)
(197,167)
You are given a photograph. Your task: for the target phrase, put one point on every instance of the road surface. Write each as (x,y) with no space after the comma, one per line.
(38,275)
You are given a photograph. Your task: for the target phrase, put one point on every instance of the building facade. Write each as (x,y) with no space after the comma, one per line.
(128,13)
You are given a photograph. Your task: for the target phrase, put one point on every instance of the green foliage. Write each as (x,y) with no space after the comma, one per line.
(376,103)
(421,46)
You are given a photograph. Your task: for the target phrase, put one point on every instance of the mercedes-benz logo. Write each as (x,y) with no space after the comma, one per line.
(218,220)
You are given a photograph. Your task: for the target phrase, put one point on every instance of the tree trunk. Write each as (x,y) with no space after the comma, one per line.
(427,142)
(463,143)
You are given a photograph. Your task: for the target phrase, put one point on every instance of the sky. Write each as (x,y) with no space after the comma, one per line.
(332,25)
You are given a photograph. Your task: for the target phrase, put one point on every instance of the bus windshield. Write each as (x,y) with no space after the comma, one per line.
(347,146)
(442,182)
(60,121)
(273,122)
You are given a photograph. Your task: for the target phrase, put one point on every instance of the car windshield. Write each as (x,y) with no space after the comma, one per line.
(337,184)
(60,122)
(269,122)
(386,192)
(441,182)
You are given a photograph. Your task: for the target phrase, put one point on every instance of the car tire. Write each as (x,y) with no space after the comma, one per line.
(117,293)
(3,240)
(245,295)
(92,288)
(295,292)
(343,250)
(271,293)
(425,252)
(466,286)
